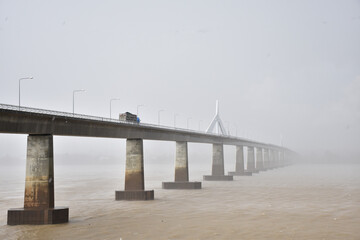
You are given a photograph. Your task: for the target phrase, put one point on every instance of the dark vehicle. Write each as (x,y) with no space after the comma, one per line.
(129,117)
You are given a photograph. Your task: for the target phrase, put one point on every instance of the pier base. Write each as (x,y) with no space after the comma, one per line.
(218,178)
(240,173)
(251,171)
(134,195)
(134,174)
(181,185)
(18,216)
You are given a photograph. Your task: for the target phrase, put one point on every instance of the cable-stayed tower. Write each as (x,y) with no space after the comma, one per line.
(217,123)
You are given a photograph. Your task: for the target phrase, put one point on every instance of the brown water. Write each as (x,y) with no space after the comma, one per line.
(296,202)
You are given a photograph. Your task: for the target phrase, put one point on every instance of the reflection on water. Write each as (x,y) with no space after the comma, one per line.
(297,202)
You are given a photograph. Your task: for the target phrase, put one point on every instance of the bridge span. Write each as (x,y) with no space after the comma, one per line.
(41,125)
(39,121)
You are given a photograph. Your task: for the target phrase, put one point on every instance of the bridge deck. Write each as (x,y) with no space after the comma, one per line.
(25,120)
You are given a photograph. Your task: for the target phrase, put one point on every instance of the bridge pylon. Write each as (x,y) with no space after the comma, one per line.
(217,123)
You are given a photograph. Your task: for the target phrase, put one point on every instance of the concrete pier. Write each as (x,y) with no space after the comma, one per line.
(281,159)
(134,173)
(266,159)
(181,170)
(259,160)
(251,161)
(276,158)
(272,159)
(239,165)
(39,186)
(218,165)
(286,158)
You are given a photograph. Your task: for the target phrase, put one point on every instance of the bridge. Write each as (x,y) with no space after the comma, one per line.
(41,125)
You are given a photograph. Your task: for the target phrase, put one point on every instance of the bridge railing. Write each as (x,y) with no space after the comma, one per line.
(89,117)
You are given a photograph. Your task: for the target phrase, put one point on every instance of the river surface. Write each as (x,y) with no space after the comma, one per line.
(297,202)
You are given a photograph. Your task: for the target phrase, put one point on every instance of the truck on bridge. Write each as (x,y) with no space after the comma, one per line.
(129,117)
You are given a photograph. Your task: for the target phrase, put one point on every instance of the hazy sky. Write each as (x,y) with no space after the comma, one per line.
(289,68)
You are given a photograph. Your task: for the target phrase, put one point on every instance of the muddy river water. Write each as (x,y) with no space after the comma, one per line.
(297,202)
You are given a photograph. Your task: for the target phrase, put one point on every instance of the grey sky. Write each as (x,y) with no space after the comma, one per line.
(277,67)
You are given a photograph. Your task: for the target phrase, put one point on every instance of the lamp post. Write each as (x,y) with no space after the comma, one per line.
(113,99)
(75,91)
(159,115)
(187,122)
(228,127)
(175,115)
(20,79)
(137,109)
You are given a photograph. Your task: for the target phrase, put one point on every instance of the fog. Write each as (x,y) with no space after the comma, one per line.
(280,69)
(284,72)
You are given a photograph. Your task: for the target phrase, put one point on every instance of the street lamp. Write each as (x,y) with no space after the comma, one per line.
(175,115)
(75,91)
(159,115)
(187,122)
(228,127)
(137,109)
(20,79)
(113,99)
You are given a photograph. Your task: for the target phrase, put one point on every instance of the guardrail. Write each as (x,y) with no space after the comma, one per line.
(102,119)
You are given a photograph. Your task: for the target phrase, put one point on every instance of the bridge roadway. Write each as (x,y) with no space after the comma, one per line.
(26,120)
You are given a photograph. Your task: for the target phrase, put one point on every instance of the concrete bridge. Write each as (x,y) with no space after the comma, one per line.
(41,125)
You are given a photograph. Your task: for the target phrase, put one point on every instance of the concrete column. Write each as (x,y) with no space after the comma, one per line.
(277,159)
(181,170)
(280,163)
(39,186)
(181,162)
(271,159)
(286,156)
(281,160)
(39,182)
(134,173)
(259,159)
(218,160)
(266,159)
(251,161)
(239,165)
(270,165)
(218,165)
